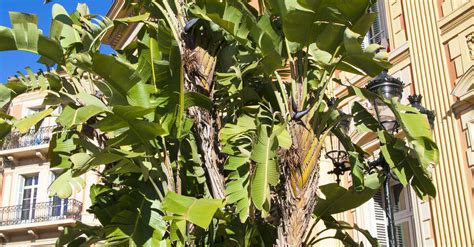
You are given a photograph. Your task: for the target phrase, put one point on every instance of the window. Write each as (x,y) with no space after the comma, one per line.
(58,205)
(403,214)
(378,32)
(28,196)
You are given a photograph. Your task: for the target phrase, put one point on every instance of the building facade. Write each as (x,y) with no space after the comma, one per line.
(28,215)
(431,46)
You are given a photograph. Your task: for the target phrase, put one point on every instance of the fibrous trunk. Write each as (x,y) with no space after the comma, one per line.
(298,194)
(199,66)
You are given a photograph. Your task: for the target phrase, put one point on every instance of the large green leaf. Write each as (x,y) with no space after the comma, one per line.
(417,157)
(71,116)
(361,61)
(197,211)
(62,28)
(135,220)
(61,147)
(364,121)
(24,124)
(342,235)
(65,185)
(197,99)
(266,171)
(405,166)
(5,129)
(119,75)
(5,95)
(80,234)
(339,199)
(236,140)
(25,35)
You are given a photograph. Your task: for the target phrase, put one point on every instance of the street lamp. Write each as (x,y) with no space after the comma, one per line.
(388,87)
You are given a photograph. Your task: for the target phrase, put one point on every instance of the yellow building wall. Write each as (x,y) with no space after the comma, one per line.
(433,77)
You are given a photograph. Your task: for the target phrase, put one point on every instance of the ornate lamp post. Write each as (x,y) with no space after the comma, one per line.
(389,88)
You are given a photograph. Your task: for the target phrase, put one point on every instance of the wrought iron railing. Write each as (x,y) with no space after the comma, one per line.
(32,138)
(41,212)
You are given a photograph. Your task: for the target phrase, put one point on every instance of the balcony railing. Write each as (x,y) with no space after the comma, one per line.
(31,138)
(41,212)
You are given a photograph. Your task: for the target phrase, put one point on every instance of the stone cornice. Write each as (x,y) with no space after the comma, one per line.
(463,14)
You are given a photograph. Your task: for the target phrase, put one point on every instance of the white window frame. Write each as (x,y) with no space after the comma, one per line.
(405,215)
(22,187)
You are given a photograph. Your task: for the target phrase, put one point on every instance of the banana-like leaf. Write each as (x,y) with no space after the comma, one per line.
(197,211)
(66,184)
(236,18)
(60,148)
(197,99)
(25,35)
(339,199)
(417,129)
(407,168)
(237,140)
(74,116)
(5,95)
(5,128)
(360,61)
(133,220)
(119,75)
(266,171)
(24,124)
(342,235)
(364,121)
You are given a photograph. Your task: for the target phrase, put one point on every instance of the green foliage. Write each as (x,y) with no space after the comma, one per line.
(144,120)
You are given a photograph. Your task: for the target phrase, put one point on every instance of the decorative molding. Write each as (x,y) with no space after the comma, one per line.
(470,44)
(464,91)
(464,85)
(453,20)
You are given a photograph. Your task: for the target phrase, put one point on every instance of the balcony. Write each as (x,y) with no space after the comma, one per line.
(17,145)
(55,210)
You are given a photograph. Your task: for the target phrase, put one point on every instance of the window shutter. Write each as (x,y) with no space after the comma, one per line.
(377,26)
(378,31)
(399,233)
(21,184)
(380,218)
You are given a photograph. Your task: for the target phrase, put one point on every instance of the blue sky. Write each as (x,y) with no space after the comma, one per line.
(13,61)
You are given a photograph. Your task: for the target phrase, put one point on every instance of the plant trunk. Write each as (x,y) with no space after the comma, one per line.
(199,62)
(296,214)
(297,197)
(208,146)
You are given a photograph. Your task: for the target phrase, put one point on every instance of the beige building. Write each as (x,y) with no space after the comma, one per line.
(28,216)
(431,46)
